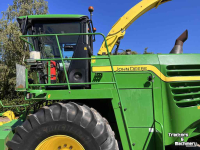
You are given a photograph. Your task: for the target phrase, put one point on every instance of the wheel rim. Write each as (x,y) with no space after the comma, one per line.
(60,142)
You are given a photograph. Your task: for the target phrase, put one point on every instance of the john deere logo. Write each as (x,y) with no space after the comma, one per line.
(131,69)
(49,95)
(198,107)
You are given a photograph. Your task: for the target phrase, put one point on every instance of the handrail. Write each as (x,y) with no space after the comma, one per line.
(12,106)
(66,76)
(72,58)
(62,59)
(162,133)
(68,84)
(72,83)
(9,106)
(63,34)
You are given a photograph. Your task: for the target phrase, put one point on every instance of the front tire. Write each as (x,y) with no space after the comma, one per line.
(81,123)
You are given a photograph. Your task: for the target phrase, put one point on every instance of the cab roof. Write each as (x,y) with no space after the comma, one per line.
(54,16)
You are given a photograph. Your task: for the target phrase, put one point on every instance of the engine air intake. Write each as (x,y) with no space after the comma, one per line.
(185,94)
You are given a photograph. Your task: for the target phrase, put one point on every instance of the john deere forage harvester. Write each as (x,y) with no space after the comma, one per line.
(104,102)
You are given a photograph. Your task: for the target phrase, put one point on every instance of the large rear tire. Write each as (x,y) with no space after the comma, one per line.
(81,124)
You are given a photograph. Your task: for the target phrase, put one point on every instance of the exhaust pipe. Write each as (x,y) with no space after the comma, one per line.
(178,47)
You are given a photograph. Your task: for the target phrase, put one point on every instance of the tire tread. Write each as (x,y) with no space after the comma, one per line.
(88,118)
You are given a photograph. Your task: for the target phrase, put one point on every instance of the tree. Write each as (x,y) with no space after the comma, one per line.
(1,52)
(14,50)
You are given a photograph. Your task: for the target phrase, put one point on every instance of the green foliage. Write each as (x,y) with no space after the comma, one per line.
(13,50)
(134,52)
(124,53)
(145,51)
(48,52)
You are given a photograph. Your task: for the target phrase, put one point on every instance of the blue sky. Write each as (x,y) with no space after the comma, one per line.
(157,29)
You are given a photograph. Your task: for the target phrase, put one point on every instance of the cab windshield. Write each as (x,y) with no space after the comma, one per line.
(48,44)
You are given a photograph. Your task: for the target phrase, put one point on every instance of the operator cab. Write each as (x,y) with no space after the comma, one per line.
(71,46)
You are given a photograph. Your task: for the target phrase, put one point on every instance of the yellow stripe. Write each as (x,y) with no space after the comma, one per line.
(144,68)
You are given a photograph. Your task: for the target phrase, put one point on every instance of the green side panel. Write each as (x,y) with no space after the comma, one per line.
(120,60)
(130,80)
(6,133)
(127,81)
(180,99)
(79,94)
(139,107)
(142,138)
(52,16)
(179,59)
(102,77)
(123,60)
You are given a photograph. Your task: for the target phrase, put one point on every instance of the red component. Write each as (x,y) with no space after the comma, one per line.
(52,71)
(94,29)
(91,9)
